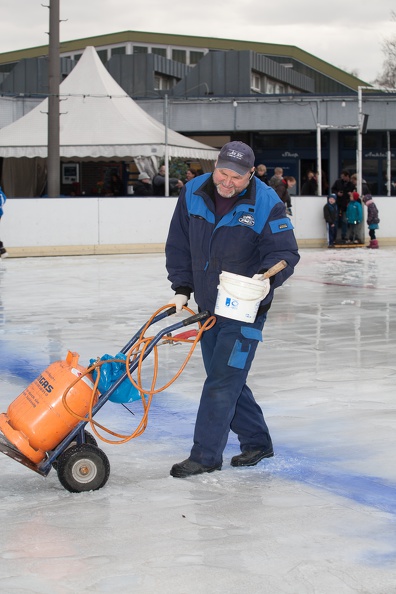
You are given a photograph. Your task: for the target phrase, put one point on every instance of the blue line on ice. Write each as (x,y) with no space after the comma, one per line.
(373,491)
(366,490)
(17,365)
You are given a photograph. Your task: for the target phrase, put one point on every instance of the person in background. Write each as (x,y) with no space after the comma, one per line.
(310,185)
(190,174)
(330,213)
(228,221)
(365,187)
(261,173)
(372,220)
(342,187)
(282,189)
(3,198)
(116,187)
(325,183)
(354,214)
(75,189)
(276,178)
(175,184)
(143,186)
(360,226)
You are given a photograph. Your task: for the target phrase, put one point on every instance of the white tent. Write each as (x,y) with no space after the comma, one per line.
(98,121)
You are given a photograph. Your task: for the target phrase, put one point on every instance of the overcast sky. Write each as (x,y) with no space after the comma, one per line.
(348,35)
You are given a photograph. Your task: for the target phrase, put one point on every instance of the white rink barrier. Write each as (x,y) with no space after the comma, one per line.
(68,226)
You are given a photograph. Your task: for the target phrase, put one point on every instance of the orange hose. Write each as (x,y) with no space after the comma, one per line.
(137,351)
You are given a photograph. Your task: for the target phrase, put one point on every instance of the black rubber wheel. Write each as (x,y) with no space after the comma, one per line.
(83,467)
(89,438)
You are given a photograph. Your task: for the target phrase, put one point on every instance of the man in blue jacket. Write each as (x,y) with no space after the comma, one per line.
(228,221)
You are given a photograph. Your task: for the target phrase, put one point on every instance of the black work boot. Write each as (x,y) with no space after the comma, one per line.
(251,458)
(189,468)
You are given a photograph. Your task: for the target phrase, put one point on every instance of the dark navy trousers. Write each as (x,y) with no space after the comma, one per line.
(226,403)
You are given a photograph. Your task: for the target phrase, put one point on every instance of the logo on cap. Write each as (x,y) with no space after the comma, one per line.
(235,154)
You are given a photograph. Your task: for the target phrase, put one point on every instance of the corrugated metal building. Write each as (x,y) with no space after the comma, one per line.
(278,98)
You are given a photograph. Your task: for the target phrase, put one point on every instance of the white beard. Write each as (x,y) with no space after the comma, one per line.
(225,192)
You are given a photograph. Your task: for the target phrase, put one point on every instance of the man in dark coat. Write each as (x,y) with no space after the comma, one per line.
(143,186)
(342,188)
(228,221)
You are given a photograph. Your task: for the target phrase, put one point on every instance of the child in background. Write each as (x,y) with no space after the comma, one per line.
(354,215)
(282,189)
(330,213)
(372,220)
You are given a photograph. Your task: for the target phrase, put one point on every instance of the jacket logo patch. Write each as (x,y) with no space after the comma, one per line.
(247,220)
(284,226)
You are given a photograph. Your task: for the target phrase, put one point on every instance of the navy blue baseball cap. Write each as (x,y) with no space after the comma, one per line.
(236,156)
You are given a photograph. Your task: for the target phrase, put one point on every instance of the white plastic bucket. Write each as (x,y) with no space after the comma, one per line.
(238,297)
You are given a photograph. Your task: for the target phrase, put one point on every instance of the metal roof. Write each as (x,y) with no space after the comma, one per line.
(210,43)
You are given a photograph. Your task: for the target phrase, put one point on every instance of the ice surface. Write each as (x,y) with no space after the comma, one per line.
(318,518)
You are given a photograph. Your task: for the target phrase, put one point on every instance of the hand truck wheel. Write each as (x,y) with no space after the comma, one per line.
(83,467)
(89,438)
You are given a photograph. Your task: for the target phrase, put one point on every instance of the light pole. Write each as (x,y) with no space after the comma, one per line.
(359,150)
(319,156)
(53,157)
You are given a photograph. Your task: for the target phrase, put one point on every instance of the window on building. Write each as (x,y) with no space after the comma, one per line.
(179,56)
(308,141)
(159,51)
(279,89)
(161,83)
(7,67)
(372,140)
(348,140)
(255,82)
(102,55)
(349,164)
(140,49)
(272,141)
(270,87)
(118,50)
(76,57)
(195,57)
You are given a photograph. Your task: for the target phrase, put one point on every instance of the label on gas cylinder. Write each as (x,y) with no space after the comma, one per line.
(84,378)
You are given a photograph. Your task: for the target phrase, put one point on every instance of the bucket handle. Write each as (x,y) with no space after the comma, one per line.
(274,269)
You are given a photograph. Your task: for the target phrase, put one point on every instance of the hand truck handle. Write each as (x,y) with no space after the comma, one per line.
(196,318)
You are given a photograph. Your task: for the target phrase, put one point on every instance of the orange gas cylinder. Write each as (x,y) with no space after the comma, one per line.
(37,421)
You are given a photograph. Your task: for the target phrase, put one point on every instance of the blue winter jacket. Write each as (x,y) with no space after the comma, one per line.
(354,212)
(252,237)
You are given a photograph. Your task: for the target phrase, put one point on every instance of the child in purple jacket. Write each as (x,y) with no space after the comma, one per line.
(372,220)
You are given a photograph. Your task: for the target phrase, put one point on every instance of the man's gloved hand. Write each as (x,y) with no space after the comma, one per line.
(266,284)
(179,301)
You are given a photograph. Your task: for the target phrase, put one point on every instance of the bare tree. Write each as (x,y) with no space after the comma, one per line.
(388,76)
